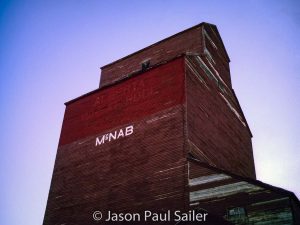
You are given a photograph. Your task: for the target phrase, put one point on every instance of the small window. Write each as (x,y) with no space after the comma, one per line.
(236,213)
(145,64)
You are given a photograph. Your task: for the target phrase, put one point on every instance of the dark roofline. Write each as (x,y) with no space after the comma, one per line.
(217,31)
(126,77)
(247,179)
(156,43)
(241,111)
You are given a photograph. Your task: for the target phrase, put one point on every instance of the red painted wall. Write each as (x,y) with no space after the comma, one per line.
(144,171)
(133,99)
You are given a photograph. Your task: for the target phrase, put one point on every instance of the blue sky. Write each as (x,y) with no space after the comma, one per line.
(51,51)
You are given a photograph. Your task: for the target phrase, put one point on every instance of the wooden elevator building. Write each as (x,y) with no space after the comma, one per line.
(164,131)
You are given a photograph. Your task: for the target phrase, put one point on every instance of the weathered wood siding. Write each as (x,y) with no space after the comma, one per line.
(143,171)
(217,132)
(189,41)
(163,51)
(219,192)
(215,54)
(182,106)
(296,211)
(133,99)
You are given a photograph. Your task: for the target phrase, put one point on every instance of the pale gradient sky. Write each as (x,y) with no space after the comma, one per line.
(51,51)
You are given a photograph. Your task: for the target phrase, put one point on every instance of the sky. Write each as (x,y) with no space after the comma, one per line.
(51,52)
